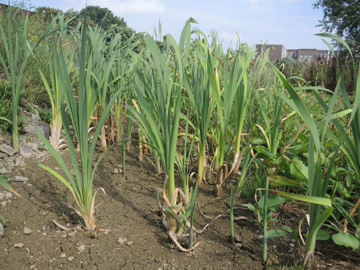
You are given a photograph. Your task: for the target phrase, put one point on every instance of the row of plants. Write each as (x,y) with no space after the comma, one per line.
(205,114)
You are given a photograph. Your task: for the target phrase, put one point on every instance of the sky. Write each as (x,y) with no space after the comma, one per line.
(288,22)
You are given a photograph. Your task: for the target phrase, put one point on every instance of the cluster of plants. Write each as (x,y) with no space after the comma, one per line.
(204,116)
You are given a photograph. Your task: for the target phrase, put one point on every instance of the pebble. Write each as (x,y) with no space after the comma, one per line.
(116,171)
(63,255)
(274,259)
(27,231)
(80,248)
(70,258)
(19,245)
(292,245)
(7,149)
(121,240)
(2,196)
(1,230)
(8,194)
(18,178)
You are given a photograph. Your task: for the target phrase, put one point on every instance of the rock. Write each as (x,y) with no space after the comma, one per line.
(27,231)
(3,171)
(2,196)
(70,258)
(273,259)
(8,195)
(63,255)
(292,245)
(2,155)
(19,245)
(25,151)
(121,240)
(80,248)
(1,230)
(18,178)
(30,129)
(44,128)
(19,162)
(4,203)
(238,238)
(7,150)
(33,146)
(116,171)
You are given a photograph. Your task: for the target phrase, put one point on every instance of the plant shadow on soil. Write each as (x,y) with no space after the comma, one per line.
(133,237)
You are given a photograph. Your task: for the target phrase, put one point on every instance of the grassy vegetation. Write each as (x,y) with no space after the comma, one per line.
(200,110)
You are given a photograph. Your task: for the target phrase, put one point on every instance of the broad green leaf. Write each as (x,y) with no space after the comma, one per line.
(322,235)
(275,233)
(346,239)
(304,198)
(298,170)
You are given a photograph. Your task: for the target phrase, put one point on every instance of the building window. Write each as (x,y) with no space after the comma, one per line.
(310,57)
(301,57)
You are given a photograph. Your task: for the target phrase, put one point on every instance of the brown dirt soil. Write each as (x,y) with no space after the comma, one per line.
(130,215)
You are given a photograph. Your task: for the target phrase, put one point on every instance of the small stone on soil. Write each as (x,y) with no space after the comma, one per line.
(70,258)
(19,245)
(18,178)
(80,248)
(1,230)
(27,231)
(25,151)
(238,238)
(63,255)
(121,240)
(7,150)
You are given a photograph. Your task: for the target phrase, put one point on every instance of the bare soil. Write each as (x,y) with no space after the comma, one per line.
(133,237)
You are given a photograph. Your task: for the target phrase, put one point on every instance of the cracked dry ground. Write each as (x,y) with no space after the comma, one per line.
(133,237)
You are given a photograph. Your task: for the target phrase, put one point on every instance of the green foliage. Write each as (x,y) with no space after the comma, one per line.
(5,106)
(343,19)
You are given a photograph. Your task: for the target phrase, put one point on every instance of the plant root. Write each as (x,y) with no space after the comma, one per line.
(57,224)
(174,237)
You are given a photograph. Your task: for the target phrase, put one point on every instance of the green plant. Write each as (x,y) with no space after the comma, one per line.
(159,91)
(317,184)
(14,65)
(6,185)
(3,221)
(80,186)
(54,87)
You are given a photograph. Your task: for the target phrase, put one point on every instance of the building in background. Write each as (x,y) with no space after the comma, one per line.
(279,52)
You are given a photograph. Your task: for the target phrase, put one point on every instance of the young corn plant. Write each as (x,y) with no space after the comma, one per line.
(320,206)
(80,185)
(197,87)
(53,89)
(159,96)
(14,62)
(351,141)
(223,90)
(241,103)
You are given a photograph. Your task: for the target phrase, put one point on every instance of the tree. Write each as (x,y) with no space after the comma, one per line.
(342,17)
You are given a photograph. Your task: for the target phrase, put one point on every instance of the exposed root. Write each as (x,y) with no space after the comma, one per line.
(57,224)
(174,237)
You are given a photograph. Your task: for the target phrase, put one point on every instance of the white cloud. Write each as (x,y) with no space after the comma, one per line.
(135,6)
